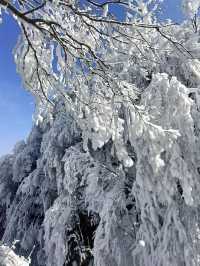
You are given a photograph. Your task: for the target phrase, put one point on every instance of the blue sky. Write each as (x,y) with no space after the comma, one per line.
(16,105)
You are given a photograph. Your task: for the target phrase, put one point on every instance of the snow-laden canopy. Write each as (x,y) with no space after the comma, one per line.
(110,174)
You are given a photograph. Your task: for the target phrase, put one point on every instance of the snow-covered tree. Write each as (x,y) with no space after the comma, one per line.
(110,172)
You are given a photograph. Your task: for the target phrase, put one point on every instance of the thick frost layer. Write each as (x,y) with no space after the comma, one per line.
(110,174)
(9,258)
(190,7)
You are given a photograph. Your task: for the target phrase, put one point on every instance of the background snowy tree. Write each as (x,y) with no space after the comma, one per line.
(110,172)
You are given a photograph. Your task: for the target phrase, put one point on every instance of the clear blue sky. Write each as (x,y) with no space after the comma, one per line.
(16,105)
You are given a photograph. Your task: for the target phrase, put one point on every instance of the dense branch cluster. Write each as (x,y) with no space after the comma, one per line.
(110,172)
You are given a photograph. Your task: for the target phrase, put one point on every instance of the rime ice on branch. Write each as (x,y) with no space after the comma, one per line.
(110,172)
